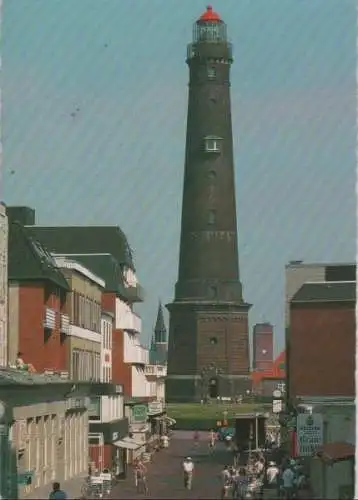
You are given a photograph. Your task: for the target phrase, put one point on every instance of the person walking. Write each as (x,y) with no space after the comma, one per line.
(212,439)
(226,481)
(57,493)
(188,469)
(288,479)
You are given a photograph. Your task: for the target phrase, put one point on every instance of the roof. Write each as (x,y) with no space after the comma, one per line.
(210,15)
(29,260)
(86,239)
(105,266)
(12,376)
(337,451)
(72,265)
(278,370)
(160,331)
(333,291)
(301,263)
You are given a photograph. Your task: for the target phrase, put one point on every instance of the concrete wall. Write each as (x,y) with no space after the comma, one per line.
(55,445)
(4,231)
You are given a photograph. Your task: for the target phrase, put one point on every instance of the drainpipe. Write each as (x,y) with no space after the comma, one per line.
(324,465)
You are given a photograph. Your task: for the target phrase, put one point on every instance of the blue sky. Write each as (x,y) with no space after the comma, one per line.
(119,159)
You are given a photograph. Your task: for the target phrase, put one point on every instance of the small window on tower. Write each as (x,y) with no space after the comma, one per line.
(212,217)
(211,73)
(212,144)
(213,340)
(213,292)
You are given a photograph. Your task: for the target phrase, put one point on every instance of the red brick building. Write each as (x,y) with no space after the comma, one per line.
(323,340)
(262,347)
(37,301)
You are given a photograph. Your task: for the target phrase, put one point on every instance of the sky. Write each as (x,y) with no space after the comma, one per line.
(94,99)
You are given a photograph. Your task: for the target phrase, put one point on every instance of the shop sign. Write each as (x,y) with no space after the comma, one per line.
(115,436)
(139,413)
(155,407)
(309,433)
(119,389)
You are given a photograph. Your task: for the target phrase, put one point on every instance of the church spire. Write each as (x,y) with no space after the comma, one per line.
(160,331)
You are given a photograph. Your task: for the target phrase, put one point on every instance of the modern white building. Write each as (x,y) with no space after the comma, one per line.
(4,229)
(106,347)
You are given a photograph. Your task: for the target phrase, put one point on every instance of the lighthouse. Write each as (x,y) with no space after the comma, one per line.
(208,353)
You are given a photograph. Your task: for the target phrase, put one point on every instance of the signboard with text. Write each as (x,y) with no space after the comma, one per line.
(155,407)
(139,413)
(309,433)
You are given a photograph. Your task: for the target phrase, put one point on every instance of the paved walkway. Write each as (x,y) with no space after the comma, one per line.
(165,477)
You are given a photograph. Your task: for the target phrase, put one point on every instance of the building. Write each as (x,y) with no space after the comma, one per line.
(44,434)
(297,273)
(262,347)
(109,432)
(106,348)
(3,284)
(128,360)
(208,331)
(37,304)
(156,370)
(322,378)
(84,332)
(264,383)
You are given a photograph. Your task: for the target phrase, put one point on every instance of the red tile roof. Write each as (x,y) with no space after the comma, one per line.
(278,370)
(336,451)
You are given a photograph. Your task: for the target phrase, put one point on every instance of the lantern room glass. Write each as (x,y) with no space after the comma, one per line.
(209,31)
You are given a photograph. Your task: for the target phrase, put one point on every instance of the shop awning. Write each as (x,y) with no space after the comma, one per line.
(127,443)
(336,452)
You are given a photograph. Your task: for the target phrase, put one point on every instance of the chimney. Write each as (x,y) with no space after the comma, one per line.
(23,215)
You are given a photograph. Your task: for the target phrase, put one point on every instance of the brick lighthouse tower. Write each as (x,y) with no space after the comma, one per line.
(208,333)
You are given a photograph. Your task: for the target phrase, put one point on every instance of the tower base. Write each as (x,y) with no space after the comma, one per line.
(191,389)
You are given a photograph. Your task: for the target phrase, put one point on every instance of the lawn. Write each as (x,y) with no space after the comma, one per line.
(210,411)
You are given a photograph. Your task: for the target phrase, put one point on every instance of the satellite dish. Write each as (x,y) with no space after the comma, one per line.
(277,393)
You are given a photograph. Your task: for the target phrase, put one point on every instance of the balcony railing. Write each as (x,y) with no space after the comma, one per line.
(65,324)
(135,354)
(135,293)
(156,370)
(49,319)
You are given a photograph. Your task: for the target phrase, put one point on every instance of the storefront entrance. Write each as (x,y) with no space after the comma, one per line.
(213,388)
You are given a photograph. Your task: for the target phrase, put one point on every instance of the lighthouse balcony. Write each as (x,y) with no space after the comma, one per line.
(210,50)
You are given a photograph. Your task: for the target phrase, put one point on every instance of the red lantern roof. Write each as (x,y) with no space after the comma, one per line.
(210,15)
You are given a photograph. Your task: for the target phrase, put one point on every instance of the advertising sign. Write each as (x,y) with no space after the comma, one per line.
(139,413)
(155,407)
(309,433)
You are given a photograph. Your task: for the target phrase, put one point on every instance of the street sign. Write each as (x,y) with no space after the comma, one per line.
(277,393)
(309,433)
(277,406)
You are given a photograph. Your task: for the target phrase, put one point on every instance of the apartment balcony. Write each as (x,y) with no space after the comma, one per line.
(157,371)
(49,319)
(65,324)
(135,354)
(129,321)
(135,293)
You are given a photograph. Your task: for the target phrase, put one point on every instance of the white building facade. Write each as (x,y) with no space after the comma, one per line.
(4,231)
(106,346)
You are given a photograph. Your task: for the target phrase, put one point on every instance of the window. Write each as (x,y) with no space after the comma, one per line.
(213,340)
(212,144)
(213,292)
(211,73)
(211,217)
(212,176)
